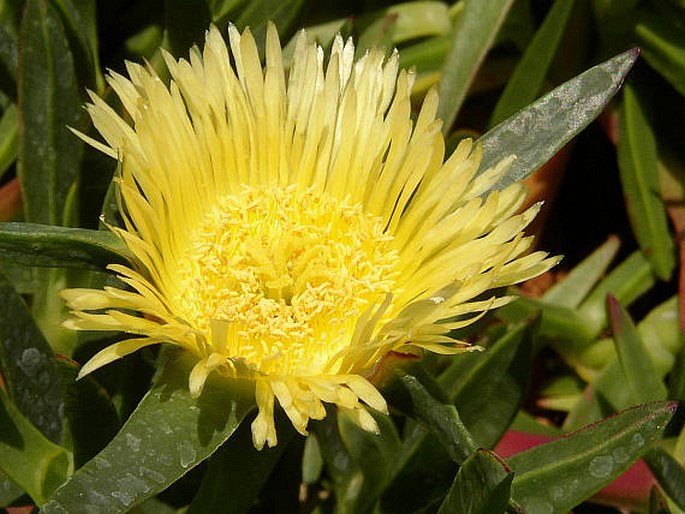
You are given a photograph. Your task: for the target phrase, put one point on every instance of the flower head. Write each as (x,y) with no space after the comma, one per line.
(294,227)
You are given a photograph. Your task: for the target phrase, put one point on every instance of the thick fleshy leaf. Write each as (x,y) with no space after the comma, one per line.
(629,280)
(556,322)
(92,420)
(27,365)
(379,34)
(9,126)
(27,456)
(669,473)
(583,277)
(236,472)
(608,390)
(423,473)
(8,57)
(32,244)
(577,328)
(9,491)
(637,160)
(474,33)
(49,103)
(608,393)
(186,23)
(492,392)
(358,462)
(410,393)
(80,21)
(403,22)
(557,476)
(537,132)
(663,44)
(257,13)
(644,383)
(488,388)
(526,81)
(168,434)
(482,486)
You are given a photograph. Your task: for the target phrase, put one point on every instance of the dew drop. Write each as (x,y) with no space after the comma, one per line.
(538,505)
(30,361)
(601,467)
(637,441)
(132,442)
(123,496)
(101,464)
(151,474)
(620,455)
(557,492)
(186,454)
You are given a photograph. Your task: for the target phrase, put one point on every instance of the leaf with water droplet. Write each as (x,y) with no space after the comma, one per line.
(27,365)
(563,473)
(32,244)
(120,476)
(537,132)
(481,486)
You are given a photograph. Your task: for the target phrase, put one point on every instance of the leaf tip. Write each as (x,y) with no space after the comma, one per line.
(614,311)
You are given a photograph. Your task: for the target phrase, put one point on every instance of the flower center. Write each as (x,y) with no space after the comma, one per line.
(277,278)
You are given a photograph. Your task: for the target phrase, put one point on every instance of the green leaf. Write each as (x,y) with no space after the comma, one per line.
(557,322)
(638,368)
(419,19)
(474,33)
(608,393)
(27,365)
(358,462)
(403,22)
(583,277)
(669,473)
(9,491)
(312,461)
(557,476)
(27,456)
(629,280)
(426,57)
(92,418)
(609,390)
(81,21)
(637,160)
(379,34)
(32,244)
(49,103)
(494,389)
(537,132)
(8,60)
(285,14)
(660,332)
(220,491)
(410,394)
(423,473)
(482,486)
(526,81)
(168,434)
(663,45)
(9,124)
(186,23)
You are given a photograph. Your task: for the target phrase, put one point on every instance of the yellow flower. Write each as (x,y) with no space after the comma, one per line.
(294,227)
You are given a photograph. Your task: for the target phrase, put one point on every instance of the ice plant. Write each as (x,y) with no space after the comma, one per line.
(293,227)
